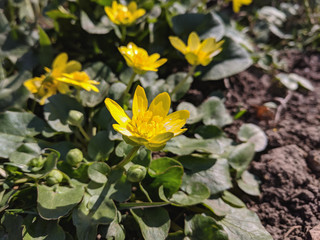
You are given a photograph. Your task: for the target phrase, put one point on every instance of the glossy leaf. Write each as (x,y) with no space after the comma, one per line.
(98,172)
(154,222)
(57,201)
(100,146)
(56,111)
(249,183)
(241,156)
(201,227)
(254,134)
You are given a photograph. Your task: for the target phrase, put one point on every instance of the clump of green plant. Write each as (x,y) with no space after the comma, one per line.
(83,153)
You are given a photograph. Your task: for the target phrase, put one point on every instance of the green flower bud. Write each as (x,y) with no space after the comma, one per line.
(136,173)
(75,118)
(54,177)
(74,157)
(37,162)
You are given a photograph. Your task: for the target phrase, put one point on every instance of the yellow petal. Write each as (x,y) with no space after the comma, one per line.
(140,101)
(139,13)
(155,147)
(178,44)
(161,138)
(160,105)
(72,66)
(60,61)
(137,140)
(159,63)
(132,7)
(208,45)
(236,5)
(117,112)
(176,120)
(193,41)
(192,58)
(122,130)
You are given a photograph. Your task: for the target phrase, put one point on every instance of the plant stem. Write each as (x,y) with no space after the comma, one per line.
(183,81)
(84,133)
(123,33)
(145,192)
(127,159)
(124,94)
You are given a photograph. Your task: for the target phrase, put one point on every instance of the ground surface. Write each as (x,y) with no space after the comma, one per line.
(289,169)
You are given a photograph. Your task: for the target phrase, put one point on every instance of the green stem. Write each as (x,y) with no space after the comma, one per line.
(308,11)
(123,33)
(127,159)
(183,81)
(84,133)
(124,94)
(145,192)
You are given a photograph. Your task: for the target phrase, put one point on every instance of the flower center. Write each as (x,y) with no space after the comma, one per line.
(146,125)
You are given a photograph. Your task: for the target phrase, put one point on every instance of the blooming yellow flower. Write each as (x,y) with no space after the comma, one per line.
(197,52)
(124,15)
(41,87)
(150,127)
(58,79)
(79,79)
(139,60)
(238,3)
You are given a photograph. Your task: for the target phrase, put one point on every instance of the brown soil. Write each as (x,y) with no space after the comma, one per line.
(289,205)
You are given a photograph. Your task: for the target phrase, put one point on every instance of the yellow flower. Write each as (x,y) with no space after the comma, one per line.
(238,3)
(151,127)
(58,79)
(41,88)
(197,52)
(124,15)
(79,79)
(139,60)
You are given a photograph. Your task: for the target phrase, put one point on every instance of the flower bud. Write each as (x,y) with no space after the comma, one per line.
(75,118)
(36,162)
(74,157)
(136,173)
(54,177)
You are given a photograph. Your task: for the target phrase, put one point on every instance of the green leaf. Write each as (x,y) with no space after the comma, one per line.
(174,80)
(116,90)
(206,25)
(92,211)
(37,228)
(191,193)
(15,127)
(100,146)
(12,224)
(292,81)
(217,206)
(243,224)
(154,222)
(167,172)
(201,227)
(231,199)
(99,72)
(98,172)
(56,111)
(57,201)
(232,60)
(183,145)
(115,231)
(249,183)
(44,40)
(211,172)
(302,81)
(102,27)
(12,92)
(215,113)
(241,156)
(252,133)
(288,82)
